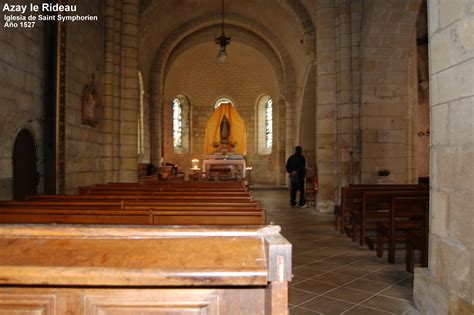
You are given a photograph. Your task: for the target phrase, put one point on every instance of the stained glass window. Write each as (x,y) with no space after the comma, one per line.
(177,123)
(269,124)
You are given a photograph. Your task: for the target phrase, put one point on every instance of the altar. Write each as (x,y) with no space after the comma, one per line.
(235,167)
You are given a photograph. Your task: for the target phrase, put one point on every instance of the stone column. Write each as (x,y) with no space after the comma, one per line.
(446,286)
(387,34)
(326,105)
(356,17)
(117,86)
(156,106)
(108,132)
(129,92)
(290,138)
(344,94)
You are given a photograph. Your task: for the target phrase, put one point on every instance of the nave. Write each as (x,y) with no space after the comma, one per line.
(332,274)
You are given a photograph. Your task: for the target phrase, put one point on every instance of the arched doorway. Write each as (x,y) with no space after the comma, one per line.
(25,175)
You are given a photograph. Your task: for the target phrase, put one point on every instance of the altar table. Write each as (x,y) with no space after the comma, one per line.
(238,164)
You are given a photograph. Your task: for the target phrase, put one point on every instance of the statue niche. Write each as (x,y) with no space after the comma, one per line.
(224,134)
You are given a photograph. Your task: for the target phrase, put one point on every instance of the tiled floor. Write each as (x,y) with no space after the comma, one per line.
(332,274)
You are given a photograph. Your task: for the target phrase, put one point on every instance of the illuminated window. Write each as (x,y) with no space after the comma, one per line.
(177,123)
(264,113)
(269,124)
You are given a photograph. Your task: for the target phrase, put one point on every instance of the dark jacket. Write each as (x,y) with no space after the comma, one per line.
(297,163)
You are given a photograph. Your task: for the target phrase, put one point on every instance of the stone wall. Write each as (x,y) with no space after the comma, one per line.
(388,31)
(446,286)
(85,58)
(21,94)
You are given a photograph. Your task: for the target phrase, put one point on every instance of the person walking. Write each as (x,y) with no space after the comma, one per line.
(296,167)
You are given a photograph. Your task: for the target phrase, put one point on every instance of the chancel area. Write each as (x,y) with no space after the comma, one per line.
(165,127)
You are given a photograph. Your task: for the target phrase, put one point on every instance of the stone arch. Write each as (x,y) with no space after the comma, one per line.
(161,57)
(181,36)
(243,36)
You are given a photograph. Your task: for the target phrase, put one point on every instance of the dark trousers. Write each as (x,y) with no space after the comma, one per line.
(299,186)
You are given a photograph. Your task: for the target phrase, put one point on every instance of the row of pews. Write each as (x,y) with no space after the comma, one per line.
(149,203)
(143,248)
(386,217)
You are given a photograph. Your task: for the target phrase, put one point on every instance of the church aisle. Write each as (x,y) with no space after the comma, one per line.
(332,274)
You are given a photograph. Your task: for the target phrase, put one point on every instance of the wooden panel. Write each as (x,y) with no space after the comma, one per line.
(27,304)
(158,302)
(126,301)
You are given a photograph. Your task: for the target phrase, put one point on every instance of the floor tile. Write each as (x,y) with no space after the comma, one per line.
(353,271)
(335,278)
(388,304)
(399,292)
(302,311)
(327,305)
(296,296)
(348,295)
(367,285)
(384,277)
(306,271)
(314,286)
(361,310)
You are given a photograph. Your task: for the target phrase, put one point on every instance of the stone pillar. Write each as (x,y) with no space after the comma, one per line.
(344,94)
(326,105)
(117,86)
(387,36)
(446,286)
(156,106)
(289,140)
(356,18)
(108,131)
(129,92)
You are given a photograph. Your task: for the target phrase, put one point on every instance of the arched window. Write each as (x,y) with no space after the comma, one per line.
(177,123)
(269,124)
(265,125)
(181,110)
(222,100)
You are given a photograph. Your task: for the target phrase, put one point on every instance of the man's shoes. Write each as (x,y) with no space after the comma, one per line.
(304,206)
(293,205)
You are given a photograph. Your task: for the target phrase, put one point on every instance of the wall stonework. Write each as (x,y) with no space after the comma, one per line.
(388,31)
(84,58)
(21,95)
(446,286)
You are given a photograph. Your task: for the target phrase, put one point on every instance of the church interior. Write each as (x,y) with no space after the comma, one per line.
(119,122)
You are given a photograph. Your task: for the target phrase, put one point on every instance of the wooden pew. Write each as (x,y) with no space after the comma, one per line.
(406,214)
(416,240)
(157,216)
(157,212)
(375,207)
(143,270)
(351,198)
(163,197)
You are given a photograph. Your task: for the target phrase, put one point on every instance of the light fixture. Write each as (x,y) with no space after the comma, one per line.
(222,40)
